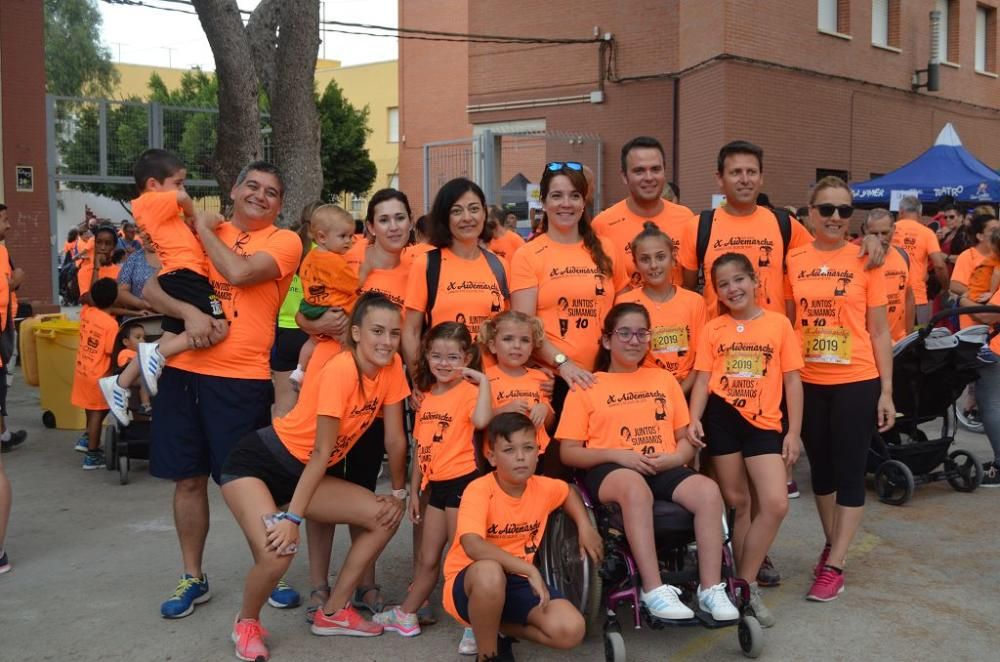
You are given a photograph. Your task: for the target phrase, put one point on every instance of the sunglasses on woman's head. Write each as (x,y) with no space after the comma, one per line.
(559,165)
(826,211)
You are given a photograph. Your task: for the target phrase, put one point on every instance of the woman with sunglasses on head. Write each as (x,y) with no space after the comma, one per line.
(567,278)
(628,434)
(847,374)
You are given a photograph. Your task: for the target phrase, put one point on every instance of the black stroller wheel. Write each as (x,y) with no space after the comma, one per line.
(111,448)
(751,636)
(967,472)
(894,483)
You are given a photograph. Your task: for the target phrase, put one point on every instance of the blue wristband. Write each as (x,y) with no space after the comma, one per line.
(291,517)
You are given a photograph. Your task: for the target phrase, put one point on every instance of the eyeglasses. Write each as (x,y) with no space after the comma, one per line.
(626,334)
(559,165)
(826,211)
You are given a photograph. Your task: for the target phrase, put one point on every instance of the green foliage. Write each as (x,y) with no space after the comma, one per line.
(75,61)
(347,166)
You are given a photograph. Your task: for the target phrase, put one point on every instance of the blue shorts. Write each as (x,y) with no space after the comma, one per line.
(200,419)
(517,604)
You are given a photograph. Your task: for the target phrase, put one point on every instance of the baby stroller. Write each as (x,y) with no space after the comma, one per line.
(125,444)
(599,591)
(930,370)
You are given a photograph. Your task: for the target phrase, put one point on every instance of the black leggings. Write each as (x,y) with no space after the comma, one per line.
(838,422)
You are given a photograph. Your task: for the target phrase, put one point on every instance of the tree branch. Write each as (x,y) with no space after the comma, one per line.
(262,31)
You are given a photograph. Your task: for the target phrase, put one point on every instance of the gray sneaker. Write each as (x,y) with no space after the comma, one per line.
(760,610)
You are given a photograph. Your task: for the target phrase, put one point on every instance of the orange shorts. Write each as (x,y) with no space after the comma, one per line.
(86,394)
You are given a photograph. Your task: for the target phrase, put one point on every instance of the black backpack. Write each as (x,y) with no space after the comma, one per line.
(434,278)
(706,218)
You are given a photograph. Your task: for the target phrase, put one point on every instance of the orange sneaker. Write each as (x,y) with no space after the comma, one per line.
(248,635)
(346,621)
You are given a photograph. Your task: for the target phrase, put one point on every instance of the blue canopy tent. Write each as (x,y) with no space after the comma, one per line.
(947,168)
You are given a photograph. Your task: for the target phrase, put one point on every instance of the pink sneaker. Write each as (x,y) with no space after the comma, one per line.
(248,635)
(824,556)
(347,622)
(828,585)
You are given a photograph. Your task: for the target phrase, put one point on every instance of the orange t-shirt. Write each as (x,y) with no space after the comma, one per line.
(967,267)
(85,274)
(572,295)
(919,242)
(995,341)
(125,356)
(244,353)
(93,357)
(746,361)
(328,280)
(759,238)
(626,410)
(833,292)
(444,433)
(175,244)
(355,255)
(390,283)
(620,225)
(506,246)
(5,292)
(676,327)
(506,389)
(468,291)
(897,279)
(343,398)
(514,524)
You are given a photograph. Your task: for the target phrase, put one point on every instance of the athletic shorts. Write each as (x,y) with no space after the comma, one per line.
(662,485)
(448,493)
(193,288)
(518,601)
(727,432)
(278,469)
(200,419)
(285,351)
(364,460)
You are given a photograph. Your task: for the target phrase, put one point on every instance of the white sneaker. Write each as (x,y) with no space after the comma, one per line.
(150,365)
(664,602)
(117,397)
(716,602)
(760,610)
(468,644)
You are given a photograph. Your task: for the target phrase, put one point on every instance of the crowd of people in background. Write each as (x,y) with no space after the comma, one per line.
(654,353)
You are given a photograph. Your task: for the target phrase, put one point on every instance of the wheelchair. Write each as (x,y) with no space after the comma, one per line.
(599,591)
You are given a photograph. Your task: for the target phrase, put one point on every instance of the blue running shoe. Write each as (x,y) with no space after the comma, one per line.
(284,596)
(190,592)
(82,444)
(93,460)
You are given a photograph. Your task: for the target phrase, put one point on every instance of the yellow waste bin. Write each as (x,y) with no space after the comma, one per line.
(27,349)
(56,342)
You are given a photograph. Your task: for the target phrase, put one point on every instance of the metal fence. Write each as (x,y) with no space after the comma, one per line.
(504,163)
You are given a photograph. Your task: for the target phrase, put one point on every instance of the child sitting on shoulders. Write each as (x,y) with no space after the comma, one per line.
(491,581)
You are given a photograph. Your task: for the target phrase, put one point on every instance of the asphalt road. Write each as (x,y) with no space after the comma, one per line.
(93,560)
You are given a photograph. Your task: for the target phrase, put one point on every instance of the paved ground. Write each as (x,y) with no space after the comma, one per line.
(92,561)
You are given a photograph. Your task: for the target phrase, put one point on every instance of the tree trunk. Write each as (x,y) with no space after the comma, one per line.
(238,138)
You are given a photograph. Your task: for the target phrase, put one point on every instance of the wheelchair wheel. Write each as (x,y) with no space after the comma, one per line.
(751,636)
(968,472)
(123,467)
(614,646)
(894,483)
(577,579)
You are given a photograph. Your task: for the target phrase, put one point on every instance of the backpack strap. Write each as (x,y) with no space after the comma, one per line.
(904,255)
(433,279)
(497,268)
(704,234)
(784,227)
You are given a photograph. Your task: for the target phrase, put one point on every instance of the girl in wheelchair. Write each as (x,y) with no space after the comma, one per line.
(628,433)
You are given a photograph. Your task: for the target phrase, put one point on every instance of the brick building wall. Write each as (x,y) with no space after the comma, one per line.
(22,77)
(753,69)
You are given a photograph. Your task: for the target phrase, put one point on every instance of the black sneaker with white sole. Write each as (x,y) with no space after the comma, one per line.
(991,475)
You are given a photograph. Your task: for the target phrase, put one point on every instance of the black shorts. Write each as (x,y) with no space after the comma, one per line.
(662,485)
(193,288)
(364,460)
(518,601)
(200,419)
(448,493)
(727,432)
(285,351)
(261,455)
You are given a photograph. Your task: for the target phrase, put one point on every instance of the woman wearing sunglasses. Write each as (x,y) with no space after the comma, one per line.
(627,433)
(567,263)
(847,376)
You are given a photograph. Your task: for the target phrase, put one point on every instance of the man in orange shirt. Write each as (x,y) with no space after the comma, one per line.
(898,280)
(921,244)
(208,400)
(10,278)
(644,174)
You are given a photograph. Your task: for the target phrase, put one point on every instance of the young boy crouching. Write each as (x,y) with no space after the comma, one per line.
(490,580)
